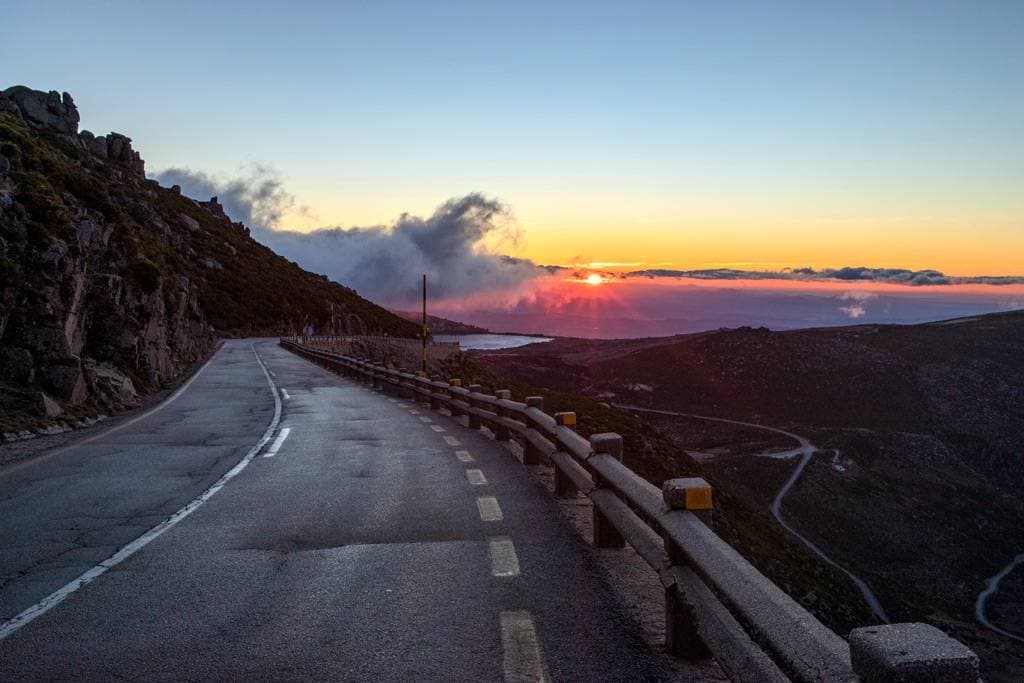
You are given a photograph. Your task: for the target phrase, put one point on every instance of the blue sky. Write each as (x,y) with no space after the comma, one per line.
(589,119)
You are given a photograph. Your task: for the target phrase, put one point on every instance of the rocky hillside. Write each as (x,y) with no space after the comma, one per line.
(111,286)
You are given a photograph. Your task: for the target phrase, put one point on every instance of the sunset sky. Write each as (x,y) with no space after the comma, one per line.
(764,134)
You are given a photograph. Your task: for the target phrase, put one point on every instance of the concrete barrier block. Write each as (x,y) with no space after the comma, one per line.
(607,442)
(692,493)
(911,653)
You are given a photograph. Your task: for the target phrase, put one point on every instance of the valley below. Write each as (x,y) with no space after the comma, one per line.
(914,481)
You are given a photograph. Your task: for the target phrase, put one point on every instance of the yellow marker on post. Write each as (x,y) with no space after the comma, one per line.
(566,419)
(692,494)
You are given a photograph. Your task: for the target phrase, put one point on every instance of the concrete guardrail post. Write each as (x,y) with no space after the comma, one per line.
(417,396)
(474,420)
(605,533)
(532,454)
(681,638)
(564,488)
(435,402)
(501,432)
(911,652)
(452,408)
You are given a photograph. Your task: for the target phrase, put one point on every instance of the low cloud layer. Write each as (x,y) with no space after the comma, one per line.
(384,263)
(895,276)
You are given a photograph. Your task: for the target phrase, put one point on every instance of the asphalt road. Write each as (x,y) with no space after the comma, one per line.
(378,541)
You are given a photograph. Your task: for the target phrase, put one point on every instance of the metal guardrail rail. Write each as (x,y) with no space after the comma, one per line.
(715,601)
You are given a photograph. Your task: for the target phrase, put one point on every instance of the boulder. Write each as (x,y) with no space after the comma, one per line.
(50,407)
(116,384)
(8,106)
(66,381)
(96,145)
(16,364)
(119,148)
(191,224)
(90,234)
(214,207)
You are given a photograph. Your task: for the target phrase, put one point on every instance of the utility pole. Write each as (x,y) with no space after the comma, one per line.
(424,359)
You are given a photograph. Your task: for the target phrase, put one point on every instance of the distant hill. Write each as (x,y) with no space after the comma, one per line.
(437,325)
(917,486)
(112,286)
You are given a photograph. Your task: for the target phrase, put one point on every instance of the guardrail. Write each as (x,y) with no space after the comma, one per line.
(382,348)
(715,601)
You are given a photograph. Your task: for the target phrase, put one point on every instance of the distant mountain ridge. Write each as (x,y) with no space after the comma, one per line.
(438,325)
(112,286)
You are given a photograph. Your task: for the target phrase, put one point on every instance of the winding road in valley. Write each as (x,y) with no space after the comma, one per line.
(805,450)
(991,588)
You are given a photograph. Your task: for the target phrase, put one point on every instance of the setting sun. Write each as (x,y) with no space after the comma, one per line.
(594,279)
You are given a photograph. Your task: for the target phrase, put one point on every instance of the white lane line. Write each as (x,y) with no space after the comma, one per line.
(413,412)
(437,428)
(425,419)
(452,441)
(276,446)
(284,392)
(489,509)
(523,658)
(476,477)
(464,456)
(58,596)
(273,374)
(504,561)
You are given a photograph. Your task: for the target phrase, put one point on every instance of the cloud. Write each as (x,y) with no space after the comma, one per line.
(901,276)
(858,295)
(384,262)
(257,197)
(859,308)
(854,311)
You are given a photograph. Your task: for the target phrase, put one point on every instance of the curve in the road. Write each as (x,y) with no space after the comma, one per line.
(991,587)
(87,577)
(805,450)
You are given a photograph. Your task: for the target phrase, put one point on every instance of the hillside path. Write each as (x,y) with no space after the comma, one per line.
(277,521)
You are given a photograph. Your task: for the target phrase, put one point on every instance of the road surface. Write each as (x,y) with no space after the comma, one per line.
(805,450)
(273,520)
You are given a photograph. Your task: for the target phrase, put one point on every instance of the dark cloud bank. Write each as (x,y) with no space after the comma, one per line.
(896,276)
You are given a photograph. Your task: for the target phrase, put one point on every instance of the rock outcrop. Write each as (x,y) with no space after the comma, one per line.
(56,112)
(112,286)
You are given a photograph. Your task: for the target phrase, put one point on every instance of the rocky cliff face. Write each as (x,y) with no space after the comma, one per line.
(112,286)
